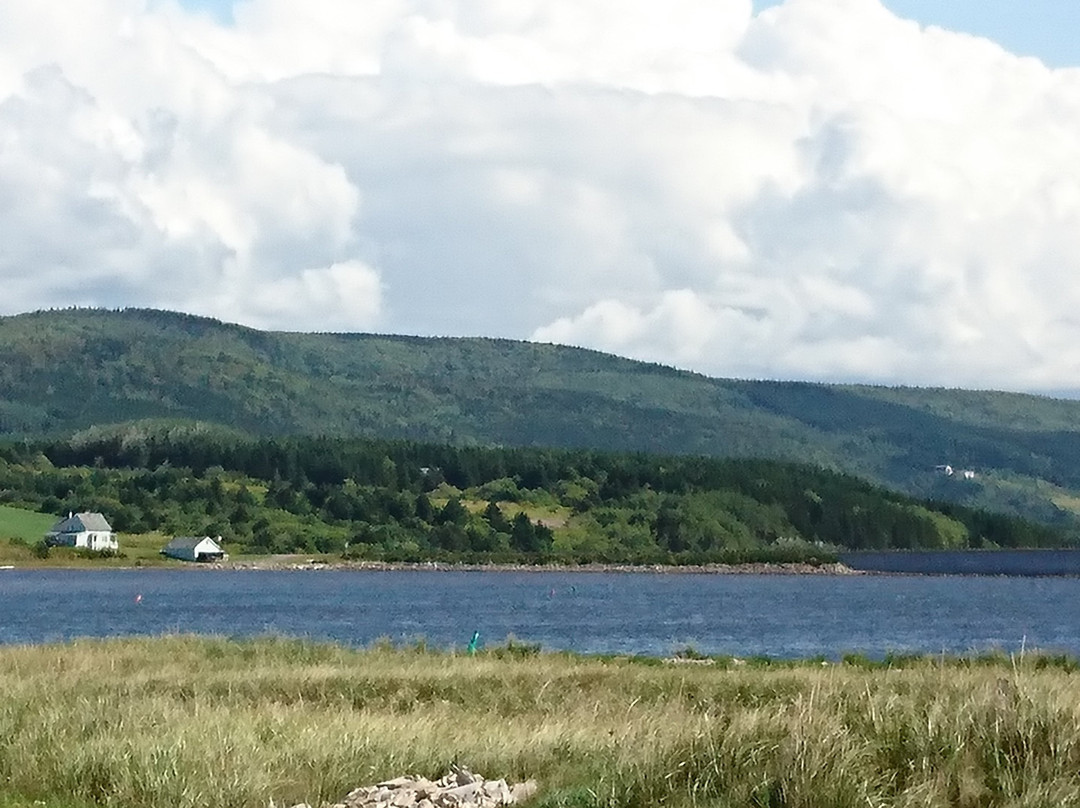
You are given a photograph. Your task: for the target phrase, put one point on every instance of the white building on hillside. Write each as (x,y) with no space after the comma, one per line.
(89,530)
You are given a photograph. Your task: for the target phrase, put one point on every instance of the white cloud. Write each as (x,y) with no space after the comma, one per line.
(821,191)
(330,298)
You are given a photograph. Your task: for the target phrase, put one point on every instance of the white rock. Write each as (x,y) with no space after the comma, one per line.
(397,782)
(460,788)
(498,791)
(424,788)
(463,776)
(464,792)
(519,792)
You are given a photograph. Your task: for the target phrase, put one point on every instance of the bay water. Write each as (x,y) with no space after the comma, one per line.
(658,614)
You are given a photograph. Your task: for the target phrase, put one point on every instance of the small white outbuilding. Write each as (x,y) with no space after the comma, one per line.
(192,548)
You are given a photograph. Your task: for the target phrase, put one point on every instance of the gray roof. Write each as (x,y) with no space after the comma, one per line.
(77,523)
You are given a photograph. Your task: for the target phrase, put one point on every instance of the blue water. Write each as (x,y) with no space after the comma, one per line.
(654,614)
(967,562)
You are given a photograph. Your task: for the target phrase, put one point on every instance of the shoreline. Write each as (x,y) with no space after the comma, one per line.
(302,563)
(753,568)
(307,564)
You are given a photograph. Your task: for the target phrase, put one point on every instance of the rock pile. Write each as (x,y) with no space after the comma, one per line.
(458,789)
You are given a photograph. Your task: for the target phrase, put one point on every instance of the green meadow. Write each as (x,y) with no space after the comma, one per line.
(183,722)
(22,525)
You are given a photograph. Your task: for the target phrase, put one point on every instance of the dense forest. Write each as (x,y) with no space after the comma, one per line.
(64,371)
(410,501)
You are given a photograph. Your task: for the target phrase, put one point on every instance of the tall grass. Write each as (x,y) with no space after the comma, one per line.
(184,722)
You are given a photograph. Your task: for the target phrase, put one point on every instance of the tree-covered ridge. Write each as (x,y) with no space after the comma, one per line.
(63,371)
(401,500)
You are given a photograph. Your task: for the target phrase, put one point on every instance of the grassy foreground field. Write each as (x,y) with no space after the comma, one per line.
(184,722)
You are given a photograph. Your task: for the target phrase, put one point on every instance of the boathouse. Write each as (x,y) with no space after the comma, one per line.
(193,548)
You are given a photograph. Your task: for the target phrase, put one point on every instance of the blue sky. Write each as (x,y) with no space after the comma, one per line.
(1046,29)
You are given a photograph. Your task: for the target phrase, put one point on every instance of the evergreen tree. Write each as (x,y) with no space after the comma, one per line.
(453,512)
(424,510)
(523,537)
(495,518)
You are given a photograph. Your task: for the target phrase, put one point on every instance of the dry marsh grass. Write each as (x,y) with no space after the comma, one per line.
(185,721)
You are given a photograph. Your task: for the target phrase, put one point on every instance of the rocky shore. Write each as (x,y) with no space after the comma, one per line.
(312,564)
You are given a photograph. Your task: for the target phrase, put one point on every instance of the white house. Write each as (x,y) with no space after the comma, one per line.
(89,530)
(192,548)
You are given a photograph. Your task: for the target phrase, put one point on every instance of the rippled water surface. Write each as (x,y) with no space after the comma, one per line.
(656,614)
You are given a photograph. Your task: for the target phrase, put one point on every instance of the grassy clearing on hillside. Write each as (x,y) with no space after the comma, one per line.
(182,722)
(23,525)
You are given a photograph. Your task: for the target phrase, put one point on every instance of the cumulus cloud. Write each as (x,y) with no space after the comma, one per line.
(822,190)
(330,298)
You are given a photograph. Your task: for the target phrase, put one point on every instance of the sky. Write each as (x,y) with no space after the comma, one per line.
(833,190)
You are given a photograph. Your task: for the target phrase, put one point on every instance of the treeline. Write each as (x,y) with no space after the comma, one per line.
(399,500)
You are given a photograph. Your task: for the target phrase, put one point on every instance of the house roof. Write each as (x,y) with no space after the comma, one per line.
(80,522)
(189,543)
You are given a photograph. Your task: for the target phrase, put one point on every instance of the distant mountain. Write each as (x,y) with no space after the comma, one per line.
(65,371)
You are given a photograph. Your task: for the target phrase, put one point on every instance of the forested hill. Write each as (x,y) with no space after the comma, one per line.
(406,501)
(64,371)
